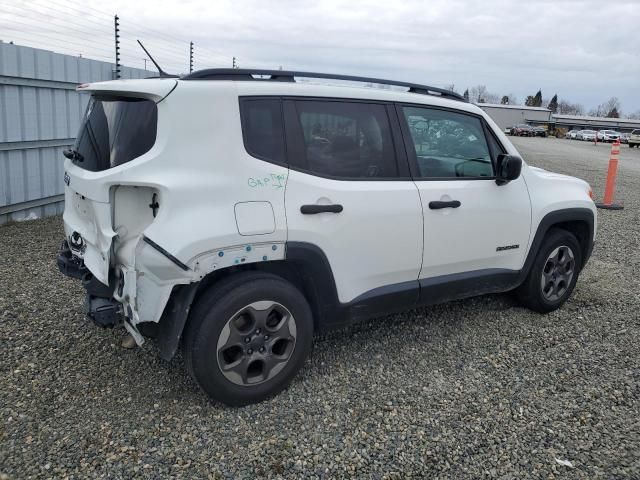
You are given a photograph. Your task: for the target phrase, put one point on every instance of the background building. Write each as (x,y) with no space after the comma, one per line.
(570,122)
(40,113)
(510,115)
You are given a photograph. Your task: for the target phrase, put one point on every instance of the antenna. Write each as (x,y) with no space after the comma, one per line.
(162,73)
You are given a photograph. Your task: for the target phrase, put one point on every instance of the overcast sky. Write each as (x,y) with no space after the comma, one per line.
(585,50)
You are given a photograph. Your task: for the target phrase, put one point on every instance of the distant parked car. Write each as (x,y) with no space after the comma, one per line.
(508,130)
(634,138)
(608,135)
(522,130)
(624,137)
(572,134)
(540,132)
(586,135)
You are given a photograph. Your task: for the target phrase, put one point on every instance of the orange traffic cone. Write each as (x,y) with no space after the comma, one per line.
(612,173)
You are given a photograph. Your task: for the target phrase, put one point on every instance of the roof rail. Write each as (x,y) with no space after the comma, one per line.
(241,74)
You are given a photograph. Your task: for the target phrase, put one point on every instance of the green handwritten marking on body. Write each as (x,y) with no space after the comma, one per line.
(275,180)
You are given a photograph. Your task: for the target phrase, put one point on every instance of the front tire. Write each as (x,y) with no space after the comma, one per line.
(554,272)
(248,338)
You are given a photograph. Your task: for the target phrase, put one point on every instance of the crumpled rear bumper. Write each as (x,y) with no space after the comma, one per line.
(99,304)
(68,264)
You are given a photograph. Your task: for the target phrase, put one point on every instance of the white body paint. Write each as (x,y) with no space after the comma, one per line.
(221,207)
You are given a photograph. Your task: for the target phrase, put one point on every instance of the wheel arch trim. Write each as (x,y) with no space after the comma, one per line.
(560,218)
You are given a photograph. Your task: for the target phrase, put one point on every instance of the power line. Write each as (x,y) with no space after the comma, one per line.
(82,8)
(28,14)
(83,46)
(183,56)
(162,35)
(83,36)
(67,28)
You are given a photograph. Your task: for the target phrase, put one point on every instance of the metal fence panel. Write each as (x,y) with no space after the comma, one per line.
(40,113)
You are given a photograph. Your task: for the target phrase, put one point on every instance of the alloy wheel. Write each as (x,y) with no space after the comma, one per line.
(557,273)
(256,343)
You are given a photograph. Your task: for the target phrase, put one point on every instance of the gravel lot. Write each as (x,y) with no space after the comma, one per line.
(476,388)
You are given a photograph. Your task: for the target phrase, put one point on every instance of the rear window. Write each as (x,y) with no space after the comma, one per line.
(635,132)
(115,130)
(262,129)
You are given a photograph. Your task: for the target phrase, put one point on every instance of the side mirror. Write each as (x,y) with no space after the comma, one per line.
(508,168)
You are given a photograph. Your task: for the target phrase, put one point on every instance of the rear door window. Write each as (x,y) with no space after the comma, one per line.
(344,140)
(114,131)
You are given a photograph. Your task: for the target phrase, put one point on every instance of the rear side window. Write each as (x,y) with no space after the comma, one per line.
(262,129)
(346,140)
(115,130)
(448,144)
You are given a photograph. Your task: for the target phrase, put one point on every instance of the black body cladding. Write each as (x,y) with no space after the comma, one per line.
(316,281)
(320,286)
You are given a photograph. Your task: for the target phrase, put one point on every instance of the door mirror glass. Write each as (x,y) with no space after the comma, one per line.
(508,167)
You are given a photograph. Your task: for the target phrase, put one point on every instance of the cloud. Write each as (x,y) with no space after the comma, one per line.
(584,50)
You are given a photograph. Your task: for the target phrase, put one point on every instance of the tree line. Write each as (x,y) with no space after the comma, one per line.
(610,108)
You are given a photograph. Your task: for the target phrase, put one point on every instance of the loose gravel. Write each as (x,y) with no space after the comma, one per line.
(480,388)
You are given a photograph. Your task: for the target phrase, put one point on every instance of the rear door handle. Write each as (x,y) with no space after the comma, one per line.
(438,205)
(313,209)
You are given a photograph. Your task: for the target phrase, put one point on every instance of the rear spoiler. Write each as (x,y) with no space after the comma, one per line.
(155,89)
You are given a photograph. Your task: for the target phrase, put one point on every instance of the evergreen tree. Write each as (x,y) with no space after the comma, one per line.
(466,94)
(613,113)
(505,100)
(529,101)
(537,100)
(553,104)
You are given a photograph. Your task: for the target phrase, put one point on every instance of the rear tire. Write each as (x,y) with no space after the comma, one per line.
(554,272)
(248,337)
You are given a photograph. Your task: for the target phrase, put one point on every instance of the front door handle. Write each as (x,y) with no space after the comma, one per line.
(439,205)
(313,209)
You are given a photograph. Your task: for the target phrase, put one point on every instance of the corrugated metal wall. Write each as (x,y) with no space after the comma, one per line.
(40,113)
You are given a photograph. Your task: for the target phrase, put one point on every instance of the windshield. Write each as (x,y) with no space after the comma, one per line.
(115,130)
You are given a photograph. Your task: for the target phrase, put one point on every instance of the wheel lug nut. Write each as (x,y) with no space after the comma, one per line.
(247,340)
(258,331)
(261,349)
(266,337)
(250,351)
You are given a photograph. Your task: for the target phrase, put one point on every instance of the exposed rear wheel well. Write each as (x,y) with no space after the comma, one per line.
(290,271)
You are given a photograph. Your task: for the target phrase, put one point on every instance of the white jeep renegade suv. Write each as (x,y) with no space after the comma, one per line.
(234,213)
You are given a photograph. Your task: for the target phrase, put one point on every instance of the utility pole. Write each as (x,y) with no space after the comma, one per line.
(234,63)
(190,57)
(117,38)
(145,64)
